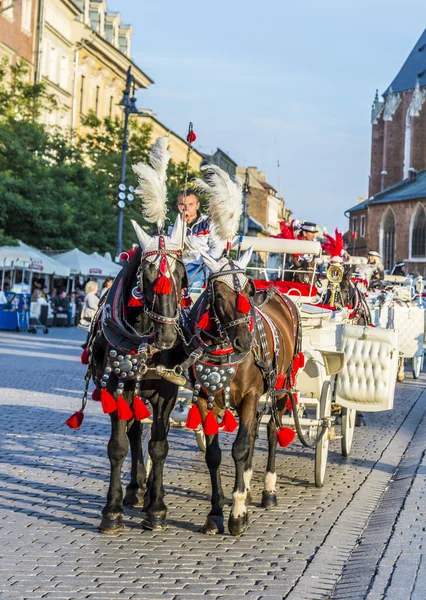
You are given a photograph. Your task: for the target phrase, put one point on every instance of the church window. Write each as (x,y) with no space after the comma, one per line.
(354,224)
(388,240)
(418,234)
(362,226)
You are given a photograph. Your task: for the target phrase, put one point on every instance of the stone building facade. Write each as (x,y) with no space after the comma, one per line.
(392,220)
(264,205)
(17,30)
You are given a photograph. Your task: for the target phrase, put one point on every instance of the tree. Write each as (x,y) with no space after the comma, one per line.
(59,192)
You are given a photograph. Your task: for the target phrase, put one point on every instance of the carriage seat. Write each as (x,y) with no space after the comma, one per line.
(291,288)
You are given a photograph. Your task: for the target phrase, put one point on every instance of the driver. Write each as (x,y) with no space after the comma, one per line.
(307,232)
(375,269)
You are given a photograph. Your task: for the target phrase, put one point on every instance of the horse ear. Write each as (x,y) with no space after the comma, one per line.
(144,238)
(209,261)
(177,234)
(245,258)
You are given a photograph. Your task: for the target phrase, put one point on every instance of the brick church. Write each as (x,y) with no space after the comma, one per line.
(393,219)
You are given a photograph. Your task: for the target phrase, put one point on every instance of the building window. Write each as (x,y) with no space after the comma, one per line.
(111,104)
(98,89)
(94,19)
(388,237)
(82,86)
(26,15)
(418,235)
(362,226)
(354,224)
(7,9)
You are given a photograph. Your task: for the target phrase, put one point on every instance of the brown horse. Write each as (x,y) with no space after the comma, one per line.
(250,346)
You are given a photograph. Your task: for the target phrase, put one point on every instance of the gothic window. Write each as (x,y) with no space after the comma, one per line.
(388,238)
(418,234)
(362,226)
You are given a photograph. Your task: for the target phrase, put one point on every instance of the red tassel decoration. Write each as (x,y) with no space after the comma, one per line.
(140,409)
(163,266)
(194,420)
(205,322)
(280,382)
(135,302)
(211,426)
(243,305)
(85,357)
(289,405)
(96,395)
(75,421)
(229,422)
(163,285)
(109,405)
(125,413)
(186,301)
(285,436)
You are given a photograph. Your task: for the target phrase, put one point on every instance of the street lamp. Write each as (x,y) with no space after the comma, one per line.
(125,193)
(246,192)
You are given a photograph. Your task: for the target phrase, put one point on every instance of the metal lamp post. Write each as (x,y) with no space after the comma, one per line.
(125,193)
(246,192)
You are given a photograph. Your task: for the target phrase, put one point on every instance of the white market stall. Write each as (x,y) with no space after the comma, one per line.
(85,265)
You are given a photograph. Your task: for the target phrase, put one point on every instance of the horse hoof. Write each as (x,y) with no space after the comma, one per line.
(360,420)
(248,497)
(110,526)
(155,523)
(400,378)
(269,499)
(238,525)
(134,498)
(213,525)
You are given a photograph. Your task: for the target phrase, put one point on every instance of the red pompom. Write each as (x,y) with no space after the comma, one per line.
(135,302)
(96,395)
(127,255)
(109,404)
(243,305)
(85,357)
(229,422)
(163,285)
(193,420)
(75,421)
(205,322)
(211,426)
(280,382)
(163,266)
(140,409)
(125,413)
(191,137)
(285,436)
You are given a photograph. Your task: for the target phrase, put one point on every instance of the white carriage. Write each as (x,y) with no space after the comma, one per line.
(399,306)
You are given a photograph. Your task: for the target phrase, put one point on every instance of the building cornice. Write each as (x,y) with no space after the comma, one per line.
(112,57)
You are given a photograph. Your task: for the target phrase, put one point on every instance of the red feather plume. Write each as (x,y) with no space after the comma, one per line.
(333,246)
(287,231)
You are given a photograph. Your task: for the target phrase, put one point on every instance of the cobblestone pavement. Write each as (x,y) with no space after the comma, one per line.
(54,483)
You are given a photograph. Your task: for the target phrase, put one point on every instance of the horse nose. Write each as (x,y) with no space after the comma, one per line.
(241,346)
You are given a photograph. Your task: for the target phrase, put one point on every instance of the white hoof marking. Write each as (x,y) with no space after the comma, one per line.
(239,507)
(270,481)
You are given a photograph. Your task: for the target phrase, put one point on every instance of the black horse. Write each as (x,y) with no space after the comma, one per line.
(348,295)
(133,337)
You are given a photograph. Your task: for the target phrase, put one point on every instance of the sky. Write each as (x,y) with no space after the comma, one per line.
(277,80)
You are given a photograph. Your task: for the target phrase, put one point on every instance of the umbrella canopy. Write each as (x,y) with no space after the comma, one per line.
(111,268)
(44,263)
(31,259)
(84,264)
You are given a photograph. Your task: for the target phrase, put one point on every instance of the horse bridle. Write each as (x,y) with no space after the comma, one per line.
(159,255)
(231,279)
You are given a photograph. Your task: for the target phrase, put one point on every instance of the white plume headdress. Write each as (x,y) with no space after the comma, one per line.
(225,201)
(152,183)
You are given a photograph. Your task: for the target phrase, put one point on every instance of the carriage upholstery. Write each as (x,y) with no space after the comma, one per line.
(291,288)
(409,320)
(367,381)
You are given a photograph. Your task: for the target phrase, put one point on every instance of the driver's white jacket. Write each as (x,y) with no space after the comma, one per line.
(199,235)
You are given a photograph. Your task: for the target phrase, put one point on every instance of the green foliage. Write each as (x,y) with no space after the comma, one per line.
(60,193)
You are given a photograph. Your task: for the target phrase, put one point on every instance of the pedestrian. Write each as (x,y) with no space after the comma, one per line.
(61,306)
(106,285)
(198,235)
(90,307)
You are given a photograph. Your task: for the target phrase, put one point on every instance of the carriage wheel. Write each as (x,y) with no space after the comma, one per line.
(348,425)
(200,436)
(417,362)
(321,449)
(146,436)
